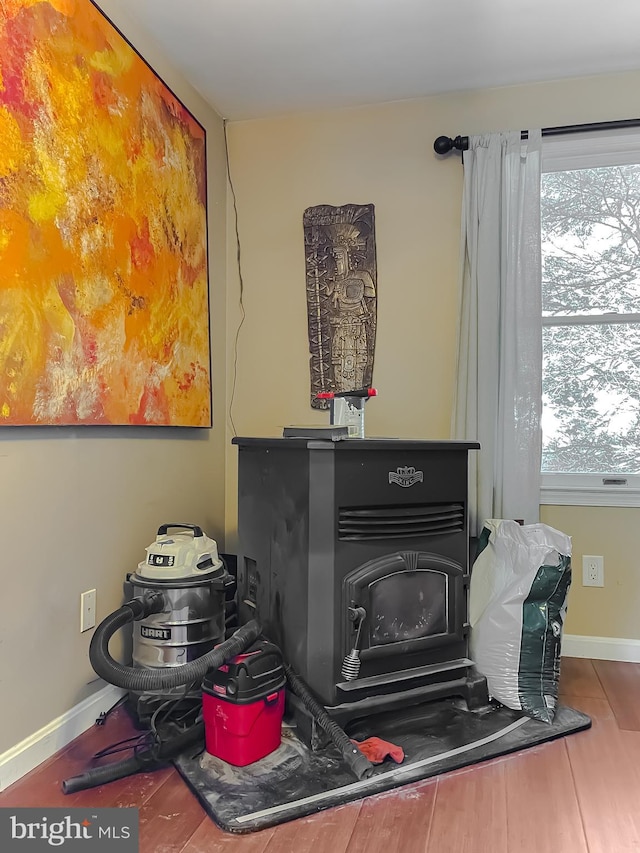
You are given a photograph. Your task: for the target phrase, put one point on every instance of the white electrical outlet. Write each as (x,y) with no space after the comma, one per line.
(87,610)
(592,570)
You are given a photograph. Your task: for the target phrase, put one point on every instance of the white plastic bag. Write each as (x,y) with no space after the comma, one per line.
(517,604)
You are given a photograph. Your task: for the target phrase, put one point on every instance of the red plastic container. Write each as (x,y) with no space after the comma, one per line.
(242,734)
(243,705)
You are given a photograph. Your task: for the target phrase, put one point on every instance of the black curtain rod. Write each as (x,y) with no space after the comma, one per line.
(444,144)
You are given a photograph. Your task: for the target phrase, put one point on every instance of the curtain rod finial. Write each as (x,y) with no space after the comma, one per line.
(444,144)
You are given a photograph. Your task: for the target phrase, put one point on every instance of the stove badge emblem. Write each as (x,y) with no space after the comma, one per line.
(406,477)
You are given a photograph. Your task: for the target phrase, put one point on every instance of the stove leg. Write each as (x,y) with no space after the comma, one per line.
(477,693)
(307,728)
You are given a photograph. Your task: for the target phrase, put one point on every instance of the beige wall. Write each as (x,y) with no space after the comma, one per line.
(384,155)
(78,507)
(611,611)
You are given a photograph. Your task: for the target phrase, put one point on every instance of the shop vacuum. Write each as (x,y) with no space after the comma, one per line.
(190,686)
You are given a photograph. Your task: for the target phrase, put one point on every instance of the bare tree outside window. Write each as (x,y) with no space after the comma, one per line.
(590,221)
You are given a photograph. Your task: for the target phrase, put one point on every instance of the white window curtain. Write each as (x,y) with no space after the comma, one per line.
(498,398)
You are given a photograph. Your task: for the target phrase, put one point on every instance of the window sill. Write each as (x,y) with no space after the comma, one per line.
(584,496)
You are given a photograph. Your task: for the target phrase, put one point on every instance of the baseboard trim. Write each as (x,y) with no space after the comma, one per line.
(601,648)
(33,750)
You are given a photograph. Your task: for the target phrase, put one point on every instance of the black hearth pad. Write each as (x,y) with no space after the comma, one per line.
(294,781)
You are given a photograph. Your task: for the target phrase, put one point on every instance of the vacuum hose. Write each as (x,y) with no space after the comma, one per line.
(142,679)
(131,678)
(146,759)
(358,763)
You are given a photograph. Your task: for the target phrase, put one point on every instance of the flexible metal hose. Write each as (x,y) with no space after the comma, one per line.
(358,763)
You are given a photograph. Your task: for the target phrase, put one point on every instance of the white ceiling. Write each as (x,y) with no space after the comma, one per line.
(253,58)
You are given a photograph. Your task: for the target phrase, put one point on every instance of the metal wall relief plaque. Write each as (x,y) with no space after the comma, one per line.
(340,256)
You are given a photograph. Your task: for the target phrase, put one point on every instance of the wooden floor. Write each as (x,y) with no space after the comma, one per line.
(579,793)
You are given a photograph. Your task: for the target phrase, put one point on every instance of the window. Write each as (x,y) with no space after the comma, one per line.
(590,235)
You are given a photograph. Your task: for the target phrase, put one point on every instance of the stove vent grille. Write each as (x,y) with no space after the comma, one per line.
(399,522)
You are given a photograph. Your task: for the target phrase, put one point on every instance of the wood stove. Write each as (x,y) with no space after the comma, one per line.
(354,557)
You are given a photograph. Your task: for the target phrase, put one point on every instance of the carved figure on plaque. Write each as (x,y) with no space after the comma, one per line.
(341,297)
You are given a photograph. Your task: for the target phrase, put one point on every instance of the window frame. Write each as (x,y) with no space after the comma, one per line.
(583,151)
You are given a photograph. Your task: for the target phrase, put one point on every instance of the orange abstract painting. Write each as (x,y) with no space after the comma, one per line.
(104,305)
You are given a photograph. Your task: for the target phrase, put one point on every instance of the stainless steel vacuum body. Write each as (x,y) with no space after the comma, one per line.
(190,625)
(184,567)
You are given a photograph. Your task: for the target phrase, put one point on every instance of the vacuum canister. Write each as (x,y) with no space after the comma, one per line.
(243,705)
(183,565)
